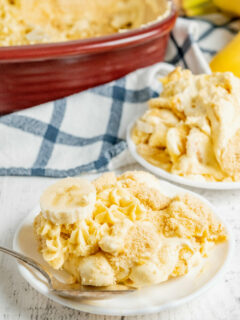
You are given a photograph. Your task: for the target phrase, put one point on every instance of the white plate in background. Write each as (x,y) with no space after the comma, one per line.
(169,294)
(173,177)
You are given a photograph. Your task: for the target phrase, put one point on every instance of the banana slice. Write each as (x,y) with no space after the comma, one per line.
(68,200)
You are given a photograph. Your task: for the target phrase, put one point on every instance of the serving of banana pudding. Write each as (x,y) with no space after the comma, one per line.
(123,230)
(193,128)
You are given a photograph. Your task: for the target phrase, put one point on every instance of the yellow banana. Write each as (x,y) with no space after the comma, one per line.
(198,7)
(228,59)
(232,6)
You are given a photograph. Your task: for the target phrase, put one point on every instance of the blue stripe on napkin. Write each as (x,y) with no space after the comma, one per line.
(42,141)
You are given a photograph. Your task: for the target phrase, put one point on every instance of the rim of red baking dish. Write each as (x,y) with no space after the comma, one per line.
(87,46)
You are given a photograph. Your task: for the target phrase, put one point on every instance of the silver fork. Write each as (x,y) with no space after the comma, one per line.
(75,290)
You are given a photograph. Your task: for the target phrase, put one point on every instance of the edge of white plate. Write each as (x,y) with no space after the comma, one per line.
(173,177)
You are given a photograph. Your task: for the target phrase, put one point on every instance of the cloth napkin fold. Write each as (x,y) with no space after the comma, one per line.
(87,131)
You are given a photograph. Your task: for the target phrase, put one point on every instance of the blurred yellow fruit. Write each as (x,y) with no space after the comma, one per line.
(197,7)
(228,59)
(232,6)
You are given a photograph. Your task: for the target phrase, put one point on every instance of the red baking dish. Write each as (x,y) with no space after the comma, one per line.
(34,74)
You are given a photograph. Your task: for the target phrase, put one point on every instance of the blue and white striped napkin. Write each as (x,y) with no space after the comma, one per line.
(86,132)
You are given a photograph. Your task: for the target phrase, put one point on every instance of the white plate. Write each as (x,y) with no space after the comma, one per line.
(152,299)
(173,177)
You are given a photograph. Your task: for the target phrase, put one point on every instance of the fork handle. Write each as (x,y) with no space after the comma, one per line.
(29,261)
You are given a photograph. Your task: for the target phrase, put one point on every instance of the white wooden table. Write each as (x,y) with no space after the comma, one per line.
(19,301)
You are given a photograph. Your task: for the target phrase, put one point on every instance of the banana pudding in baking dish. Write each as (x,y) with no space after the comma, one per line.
(32,21)
(123,230)
(193,128)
